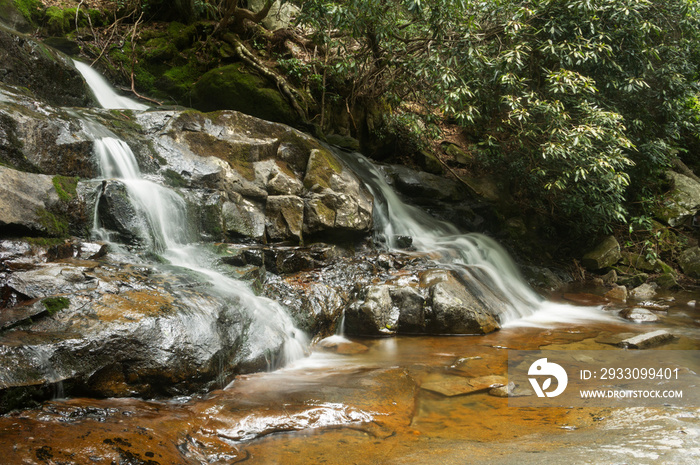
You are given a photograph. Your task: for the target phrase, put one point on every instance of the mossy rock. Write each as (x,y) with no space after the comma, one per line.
(30,13)
(20,14)
(321,167)
(54,305)
(233,87)
(66,187)
(63,44)
(604,255)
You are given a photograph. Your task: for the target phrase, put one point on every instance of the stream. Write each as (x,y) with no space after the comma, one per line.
(358,400)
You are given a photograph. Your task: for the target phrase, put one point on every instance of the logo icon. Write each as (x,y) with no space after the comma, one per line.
(542,367)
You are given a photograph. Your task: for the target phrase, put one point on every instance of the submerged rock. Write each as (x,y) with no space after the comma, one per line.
(647,340)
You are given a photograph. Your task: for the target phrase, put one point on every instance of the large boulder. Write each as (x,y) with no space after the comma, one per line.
(36,204)
(234,87)
(682,202)
(442,304)
(603,255)
(284,218)
(455,310)
(43,72)
(113,329)
(690,262)
(255,163)
(338,203)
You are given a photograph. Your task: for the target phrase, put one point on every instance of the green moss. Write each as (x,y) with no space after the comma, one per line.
(43,242)
(55,225)
(233,87)
(238,156)
(174,179)
(32,10)
(322,165)
(54,305)
(65,187)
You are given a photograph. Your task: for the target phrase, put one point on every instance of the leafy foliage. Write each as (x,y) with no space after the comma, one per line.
(580,103)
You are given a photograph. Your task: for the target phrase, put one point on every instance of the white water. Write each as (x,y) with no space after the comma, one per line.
(165,214)
(486,267)
(103,91)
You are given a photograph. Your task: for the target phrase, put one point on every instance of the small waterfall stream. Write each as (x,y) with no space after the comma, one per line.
(165,214)
(487,269)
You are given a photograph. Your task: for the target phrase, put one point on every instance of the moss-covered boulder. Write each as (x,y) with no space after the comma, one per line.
(690,262)
(604,255)
(35,204)
(338,204)
(233,87)
(41,71)
(681,202)
(19,14)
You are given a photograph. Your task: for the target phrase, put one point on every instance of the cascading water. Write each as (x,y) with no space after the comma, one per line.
(165,214)
(486,267)
(104,93)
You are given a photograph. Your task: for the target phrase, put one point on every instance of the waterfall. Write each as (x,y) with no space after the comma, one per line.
(165,214)
(486,268)
(103,91)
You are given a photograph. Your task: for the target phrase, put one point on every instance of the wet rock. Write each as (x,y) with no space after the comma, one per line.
(645,291)
(22,313)
(618,293)
(339,203)
(454,310)
(25,201)
(450,385)
(419,184)
(118,215)
(690,262)
(46,74)
(282,181)
(128,331)
(342,346)
(403,242)
(284,218)
(604,255)
(639,315)
(682,202)
(243,219)
(648,340)
(373,313)
(412,309)
(503,391)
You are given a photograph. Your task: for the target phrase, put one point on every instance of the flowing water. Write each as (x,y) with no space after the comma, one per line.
(369,402)
(167,232)
(488,270)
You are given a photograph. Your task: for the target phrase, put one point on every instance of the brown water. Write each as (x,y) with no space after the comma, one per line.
(369,408)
